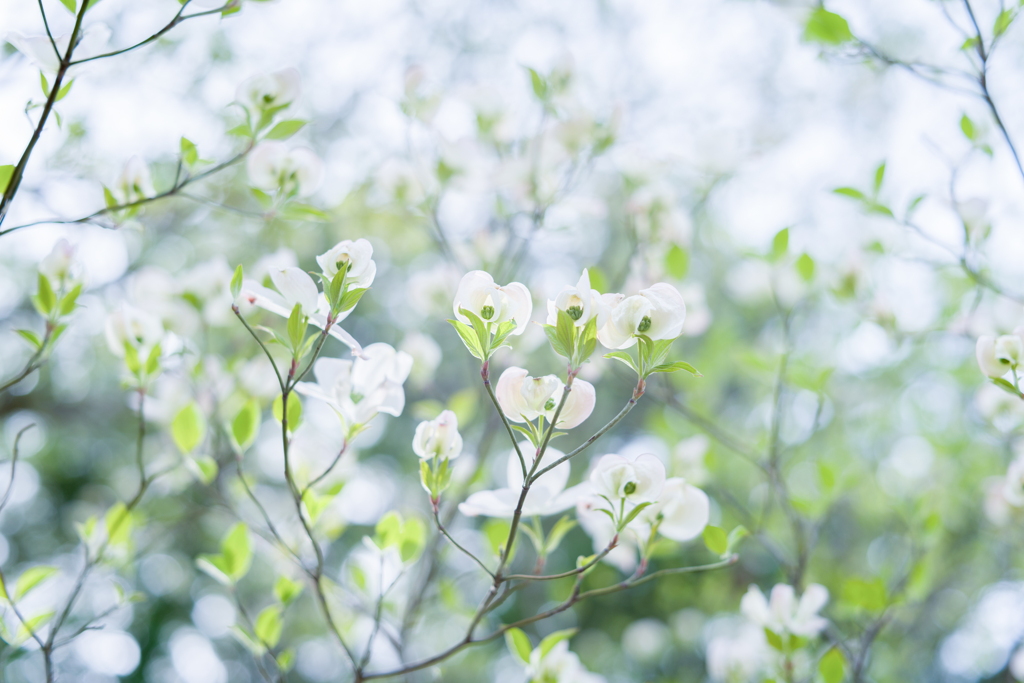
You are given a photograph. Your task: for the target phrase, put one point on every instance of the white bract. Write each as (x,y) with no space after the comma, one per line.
(359,389)
(998,355)
(273,167)
(783,614)
(547,495)
(523,398)
(354,256)
(581,303)
(559,665)
(657,312)
(134,183)
(479,294)
(39,49)
(438,438)
(681,511)
(266,91)
(135,327)
(295,286)
(636,481)
(60,264)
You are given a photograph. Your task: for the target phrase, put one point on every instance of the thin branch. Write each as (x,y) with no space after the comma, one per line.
(440,527)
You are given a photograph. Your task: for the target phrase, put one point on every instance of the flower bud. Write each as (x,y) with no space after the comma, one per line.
(997,355)
(438,438)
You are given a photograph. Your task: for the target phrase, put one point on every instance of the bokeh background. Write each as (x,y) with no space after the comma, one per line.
(674,142)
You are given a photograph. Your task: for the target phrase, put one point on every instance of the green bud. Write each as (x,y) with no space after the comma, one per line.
(550,405)
(575,312)
(487,312)
(644,325)
(630,488)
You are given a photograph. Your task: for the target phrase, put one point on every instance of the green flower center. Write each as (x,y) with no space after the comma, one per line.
(575,312)
(487,312)
(630,488)
(645,324)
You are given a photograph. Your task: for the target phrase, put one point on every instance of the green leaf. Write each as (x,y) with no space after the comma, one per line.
(518,642)
(1005,386)
(188,428)
(586,342)
(540,86)
(468,337)
(780,243)
(827,27)
(246,424)
(236,282)
(108,197)
(480,329)
(67,304)
(496,531)
(677,262)
(287,590)
(236,550)
(556,343)
(632,515)
(350,298)
(153,360)
(805,267)
(555,638)
(678,365)
(119,524)
(242,130)
(47,299)
(65,89)
(868,594)
(623,357)
(70,4)
(189,153)
(566,331)
(296,327)
(558,532)
(502,333)
(831,666)
(45,84)
(1002,22)
(31,337)
(285,129)
(294,411)
(736,537)
(967,126)
(6,171)
(716,540)
(204,468)
(773,639)
(851,192)
(879,176)
(31,578)
(268,625)
(33,624)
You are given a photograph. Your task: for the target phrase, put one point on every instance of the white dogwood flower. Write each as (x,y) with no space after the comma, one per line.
(134,183)
(681,511)
(657,312)
(782,613)
(559,665)
(60,264)
(359,389)
(273,167)
(998,355)
(523,398)
(438,438)
(547,495)
(354,255)
(135,327)
(479,294)
(581,303)
(636,481)
(266,91)
(39,49)
(295,286)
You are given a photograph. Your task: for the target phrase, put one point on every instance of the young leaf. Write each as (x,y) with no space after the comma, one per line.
(6,171)
(70,4)
(65,89)
(632,515)
(780,243)
(518,643)
(204,468)
(294,411)
(831,666)
(1002,22)
(827,27)
(236,282)
(189,153)
(67,304)
(558,532)
(805,267)
(119,524)
(188,428)
(45,296)
(623,357)
(716,540)
(296,327)
(967,126)
(556,343)
(736,537)
(287,590)
(468,337)
(246,424)
(677,262)
(678,365)
(237,551)
(555,638)
(268,625)
(285,129)
(850,192)
(31,578)
(31,337)
(879,176)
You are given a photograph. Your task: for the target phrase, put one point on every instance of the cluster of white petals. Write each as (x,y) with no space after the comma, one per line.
(523,398)
(480,295)
(60,264)
(547,496)
(657,312)
(636,481)
(39,49)
(559,665)
(134,327)
(681,511)
(265,91)
(438,438)
(356,257)
(782,613)
(998,355)
(273,167)
(134,183)
(581,302)
(359,389)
